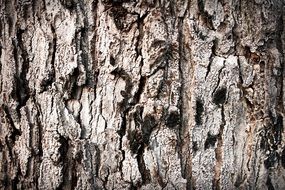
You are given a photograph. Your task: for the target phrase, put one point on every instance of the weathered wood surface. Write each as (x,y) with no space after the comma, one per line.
(145,94)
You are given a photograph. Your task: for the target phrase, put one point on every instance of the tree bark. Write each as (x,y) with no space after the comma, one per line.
(118,94)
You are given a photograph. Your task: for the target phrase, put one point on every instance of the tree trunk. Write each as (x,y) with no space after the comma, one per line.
(117,94)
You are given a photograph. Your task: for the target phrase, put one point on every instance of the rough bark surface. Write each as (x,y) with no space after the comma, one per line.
(144,94)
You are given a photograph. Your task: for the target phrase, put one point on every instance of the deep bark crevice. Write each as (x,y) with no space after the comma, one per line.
(21,92)
(145,173)
(14,131)
(205,16)
(69,177)
(50,79)
(269,184)
(15,181)
(122,133)
(140,90)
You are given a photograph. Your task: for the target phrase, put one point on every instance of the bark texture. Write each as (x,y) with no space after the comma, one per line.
(142,94)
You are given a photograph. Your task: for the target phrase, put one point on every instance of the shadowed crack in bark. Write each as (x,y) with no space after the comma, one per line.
(21,92)
(47,82)
(219,153)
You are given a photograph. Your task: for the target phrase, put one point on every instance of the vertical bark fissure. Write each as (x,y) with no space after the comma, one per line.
(83,43)
(122,133)
(269,184)
(94,60)
(5,179)
(143,79)
(97,162)
(280,40)
(74,177)
(257,176)
(53,53)
(94,172)
(105,181)
(65,162)
(30,141)
(215,90)
(219,153)
(14,131)
(16,180)
(46,83)
(39,151)
(22,87)
(10,143)
(185,173)
(1,48)
(22,82)
(205,16)
(213,54)
(124,108)
(145,175)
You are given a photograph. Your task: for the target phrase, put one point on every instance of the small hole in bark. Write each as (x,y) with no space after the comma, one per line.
(271,160)
(124,93)
(238,181)
(262,63)
(255,58)
(119,14)
(220,96)
(195,146)
(173,119)
(68,4)
(112,61)
(76,92)
(47,82)
(199,112)
(262,66)
(210,141)
(79,156)
(247,52)
(114,2)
